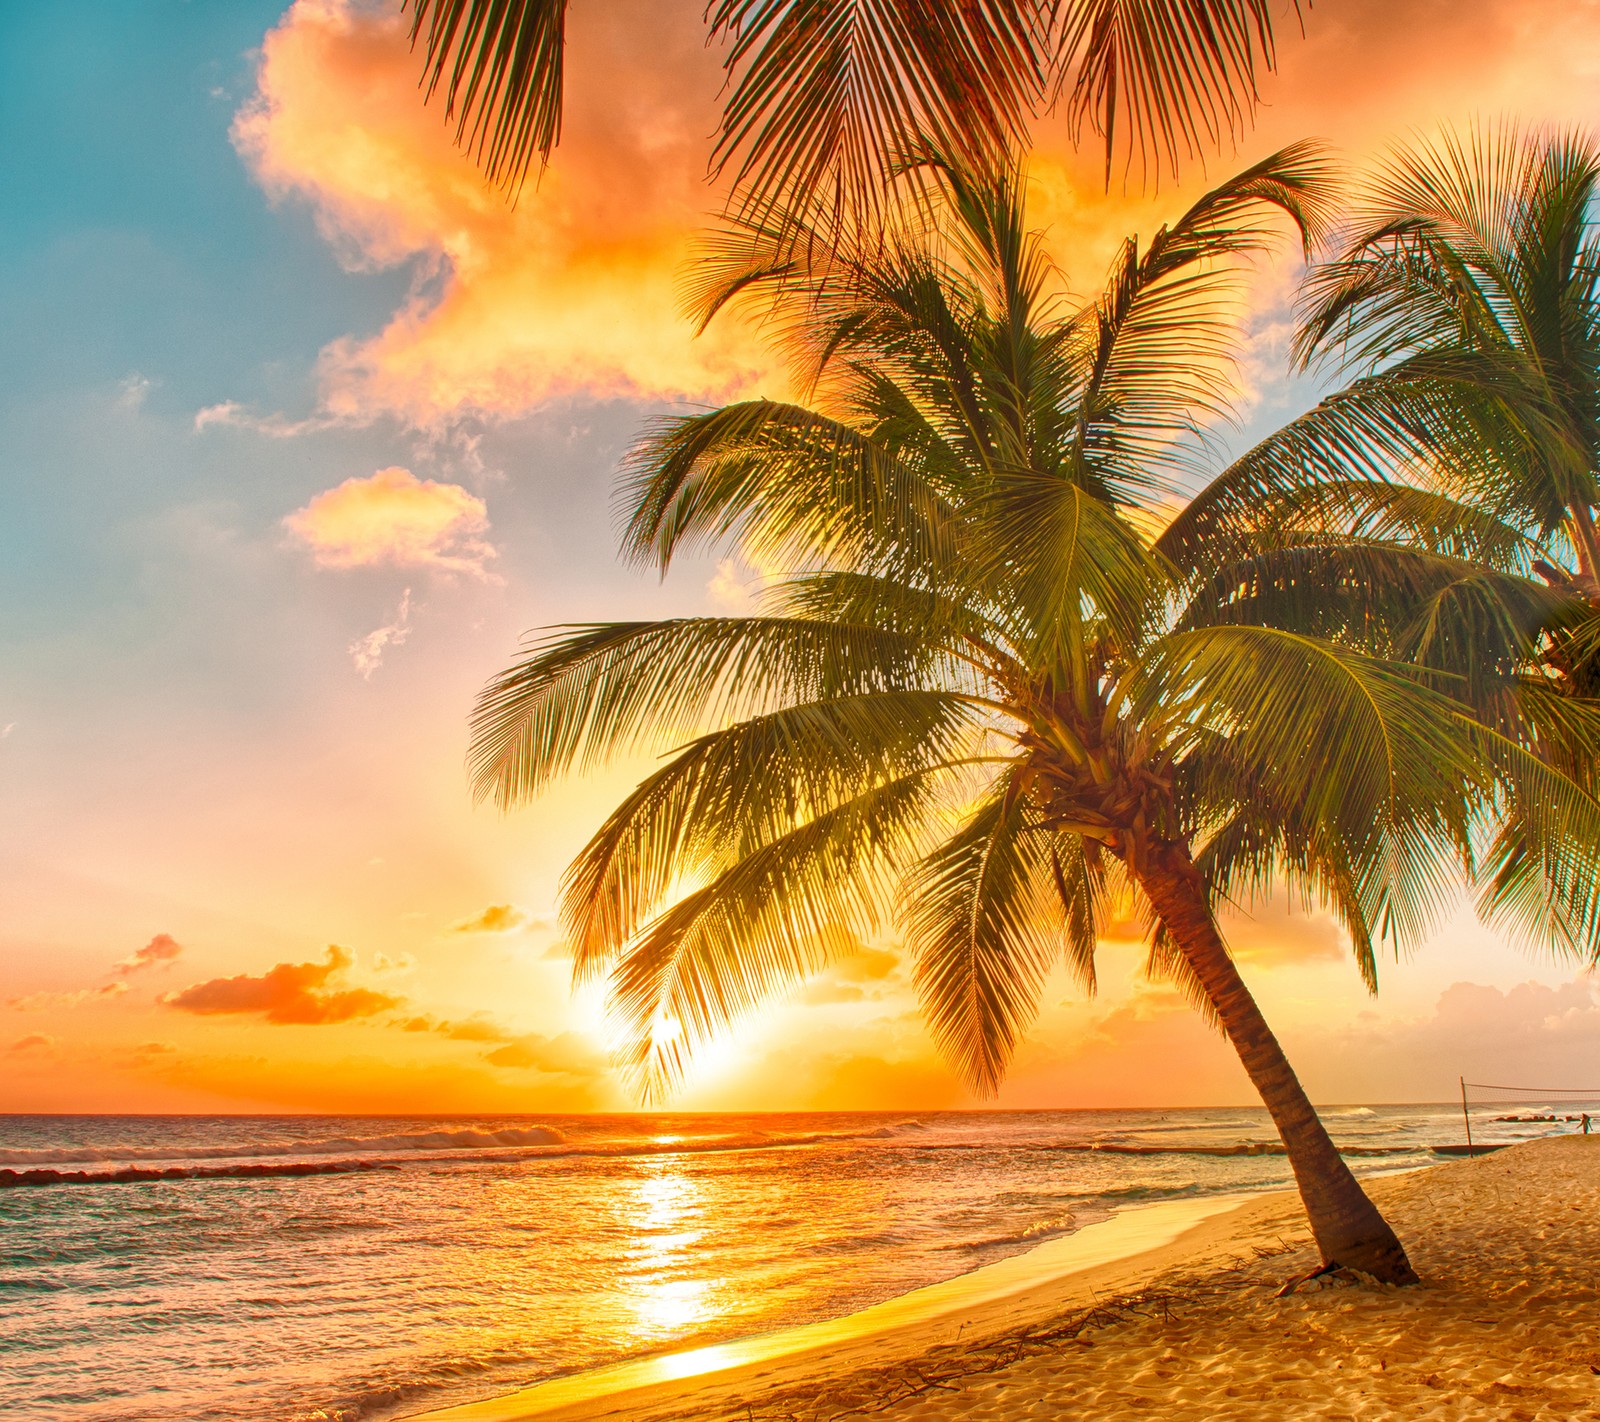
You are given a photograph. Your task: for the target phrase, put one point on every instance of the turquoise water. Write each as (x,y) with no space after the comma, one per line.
(343,1268)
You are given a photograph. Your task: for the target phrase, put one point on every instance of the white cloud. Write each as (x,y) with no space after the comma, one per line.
(367,653)
(132,390)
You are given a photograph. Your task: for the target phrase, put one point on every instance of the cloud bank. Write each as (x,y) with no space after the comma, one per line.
(571,288)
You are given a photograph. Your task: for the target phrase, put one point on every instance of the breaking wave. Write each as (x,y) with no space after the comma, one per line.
(1035,1233)
(1242,1148)
(514,1145)
(412,1141)
(134,1174)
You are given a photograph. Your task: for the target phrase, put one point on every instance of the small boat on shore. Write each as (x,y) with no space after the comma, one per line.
(1469,1149)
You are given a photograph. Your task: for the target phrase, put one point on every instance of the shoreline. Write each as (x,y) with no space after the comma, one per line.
(1176,1310)
(1108,1258)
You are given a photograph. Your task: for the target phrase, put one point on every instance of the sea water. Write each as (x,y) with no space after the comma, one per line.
(329,1269)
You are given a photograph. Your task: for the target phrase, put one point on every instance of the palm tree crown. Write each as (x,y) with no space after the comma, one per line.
(986,693)
(1460,467)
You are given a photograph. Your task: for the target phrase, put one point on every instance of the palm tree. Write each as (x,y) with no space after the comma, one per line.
(984,692)
(825,97)
(1461,462)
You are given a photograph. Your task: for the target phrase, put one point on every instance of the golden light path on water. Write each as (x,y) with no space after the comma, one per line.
(661,1291)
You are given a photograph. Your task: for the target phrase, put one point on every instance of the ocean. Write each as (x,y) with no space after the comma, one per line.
(354,1269)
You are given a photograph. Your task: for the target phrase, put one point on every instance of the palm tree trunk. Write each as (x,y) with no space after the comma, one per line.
(1346,1224)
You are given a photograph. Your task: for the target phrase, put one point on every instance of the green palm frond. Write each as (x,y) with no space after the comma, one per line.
(1369,754)
(791,485)
(829,97)
(1539,877)
(1441,423)
(764,923)
(1476,250)
(1163,80)
(985,921)
(594,692)
(731,792)
(502,64)
(1062,556)
(1180,295)
(1450,614)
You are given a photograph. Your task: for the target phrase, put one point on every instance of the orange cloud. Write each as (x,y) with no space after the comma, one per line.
(394,518)
(34,1042)
(566,1055)
(1277,933)
(476,1028)
(497,918)
(144,1053)
(343,1083)
(290,993)
(859,975)
(573,287)
(40,1001)
(161,949)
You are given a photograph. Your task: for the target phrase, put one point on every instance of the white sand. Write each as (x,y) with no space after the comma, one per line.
(1177,1319)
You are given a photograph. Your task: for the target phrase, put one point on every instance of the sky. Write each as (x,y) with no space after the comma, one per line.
(303,427)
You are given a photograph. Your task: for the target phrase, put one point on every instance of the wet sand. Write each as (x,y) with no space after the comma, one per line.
(1177,1316)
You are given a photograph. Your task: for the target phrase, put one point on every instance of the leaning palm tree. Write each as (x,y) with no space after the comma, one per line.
(825,97)
(983,693)
(1460,300)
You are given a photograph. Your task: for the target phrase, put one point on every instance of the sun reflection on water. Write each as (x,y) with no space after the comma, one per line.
(665,1294)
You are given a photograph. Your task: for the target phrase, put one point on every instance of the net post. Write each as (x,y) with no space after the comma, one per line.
(1466,1119)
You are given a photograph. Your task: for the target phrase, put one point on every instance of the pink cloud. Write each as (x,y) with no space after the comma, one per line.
(289,994)
(368,650)
(393,518)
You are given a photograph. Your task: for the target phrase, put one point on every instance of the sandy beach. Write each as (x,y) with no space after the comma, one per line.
(1191,1325)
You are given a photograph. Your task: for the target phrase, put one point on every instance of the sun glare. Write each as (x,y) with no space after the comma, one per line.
(661,1290)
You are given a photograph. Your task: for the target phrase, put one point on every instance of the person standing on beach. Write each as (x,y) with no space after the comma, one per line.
(1583,1124)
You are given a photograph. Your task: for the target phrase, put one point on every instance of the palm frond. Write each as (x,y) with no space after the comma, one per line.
(829,98)
(1440,416)
(1450,614)
(582,696)
(1541,876)
(1163,80)
(792,485)
(766,922)
(729,793)
(501,63)
(1158,342)
(1367,753)
(984,921)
